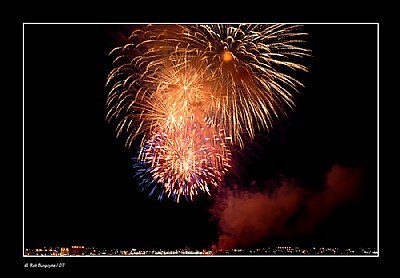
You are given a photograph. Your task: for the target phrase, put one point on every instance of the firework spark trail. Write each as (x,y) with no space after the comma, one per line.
(234,76)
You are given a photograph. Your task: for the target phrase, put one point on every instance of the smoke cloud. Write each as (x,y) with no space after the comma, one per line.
(342,185)
(246,218)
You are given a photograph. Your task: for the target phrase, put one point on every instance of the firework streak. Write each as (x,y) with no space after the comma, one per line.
(191,91)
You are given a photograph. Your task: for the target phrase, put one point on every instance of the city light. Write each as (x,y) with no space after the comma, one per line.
(266,251)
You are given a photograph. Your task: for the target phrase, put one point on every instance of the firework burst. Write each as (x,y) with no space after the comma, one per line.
(173,82)
(171,85)
(253,64)
(185,156)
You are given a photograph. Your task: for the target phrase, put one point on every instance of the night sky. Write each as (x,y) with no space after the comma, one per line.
(79,185)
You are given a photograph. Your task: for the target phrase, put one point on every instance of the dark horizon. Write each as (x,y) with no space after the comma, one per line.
(79,185)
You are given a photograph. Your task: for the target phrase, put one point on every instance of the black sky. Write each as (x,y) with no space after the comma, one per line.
(78,178)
